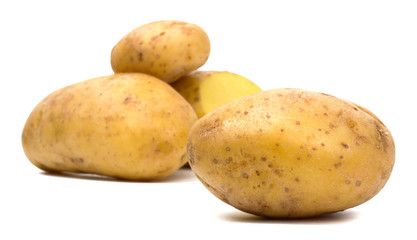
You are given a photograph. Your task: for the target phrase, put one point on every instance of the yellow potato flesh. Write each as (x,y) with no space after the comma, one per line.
(291,153)
(209,90)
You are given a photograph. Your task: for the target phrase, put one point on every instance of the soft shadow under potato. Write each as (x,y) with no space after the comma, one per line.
(181,175)
(339,217)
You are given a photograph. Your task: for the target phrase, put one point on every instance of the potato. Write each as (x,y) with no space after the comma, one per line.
(208,90)
(165,49)
(291,153)
(129,126)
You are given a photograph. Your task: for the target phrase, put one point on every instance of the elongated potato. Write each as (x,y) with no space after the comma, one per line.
(130,126)
(209,90)
(166,49)
(291,153)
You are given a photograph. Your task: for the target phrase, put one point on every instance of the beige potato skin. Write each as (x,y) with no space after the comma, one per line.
(166,49)
(129,126)
(190,86)
(291,153)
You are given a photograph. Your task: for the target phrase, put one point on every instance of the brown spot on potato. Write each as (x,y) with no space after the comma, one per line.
(336,165)
(344,145)
(228,149)
(245,175)
(358,183)
(127,100)
(286,189)
(263,158)
(246,112)
(140,56)
(297,122)
(215,161)
(297,180)
(77,160)
(347,181)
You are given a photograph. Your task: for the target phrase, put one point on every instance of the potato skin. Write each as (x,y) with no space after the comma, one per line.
(130,126)
(291,153)
(204,98)
(166,49)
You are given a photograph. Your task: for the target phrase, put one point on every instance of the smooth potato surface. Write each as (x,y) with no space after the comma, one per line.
(130,126)
(291,153)
(166,49)
(209,90)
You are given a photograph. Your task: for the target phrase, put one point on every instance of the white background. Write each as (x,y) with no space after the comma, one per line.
(363,51)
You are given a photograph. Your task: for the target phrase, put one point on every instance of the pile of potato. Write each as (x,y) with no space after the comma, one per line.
(287,153)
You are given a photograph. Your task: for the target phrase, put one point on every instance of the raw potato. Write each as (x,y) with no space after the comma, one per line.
(166,49)
(291,153)
(130,126)
(208,90)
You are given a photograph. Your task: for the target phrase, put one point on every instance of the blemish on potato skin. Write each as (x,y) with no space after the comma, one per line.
(228,149)
(344,145)
(347,181)
(358,183)
(140,56)
(77,160)
(245,175)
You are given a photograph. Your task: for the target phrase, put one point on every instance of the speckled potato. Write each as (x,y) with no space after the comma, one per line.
(129,126)
(291,153)
(209,90)
(165,49)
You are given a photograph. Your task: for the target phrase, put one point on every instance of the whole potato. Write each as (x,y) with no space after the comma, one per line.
(291,153)
(165,49)
(208,90)
(130,126)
